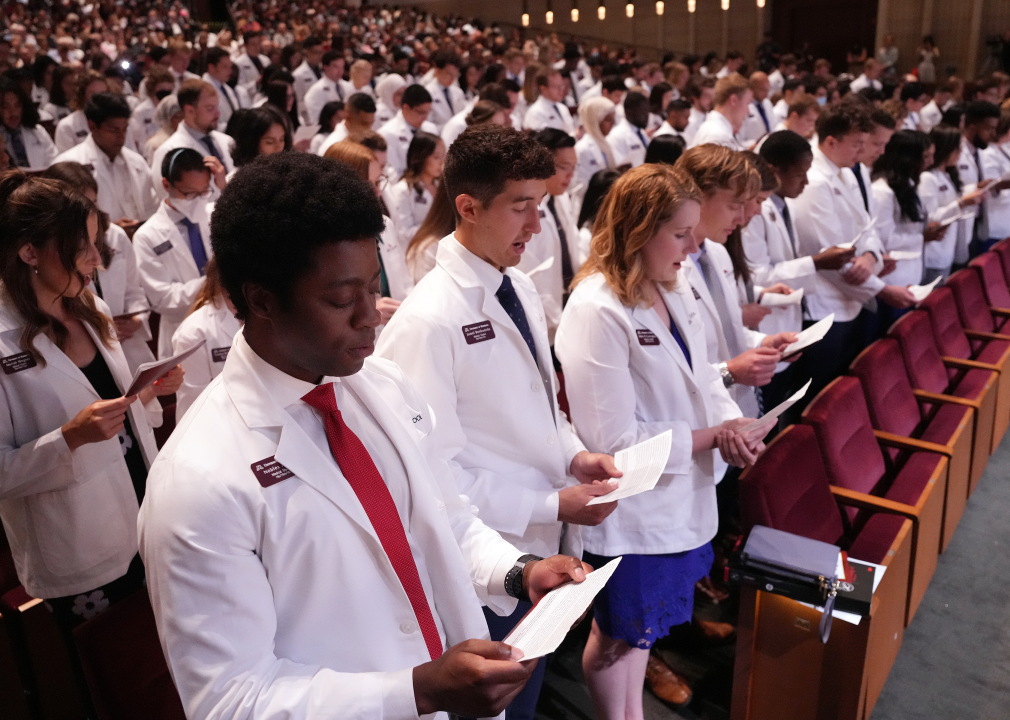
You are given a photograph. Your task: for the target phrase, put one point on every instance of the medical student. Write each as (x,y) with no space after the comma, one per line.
(198,132)
(72,129)
(831,212)
(995,161)
(301,426)
(554,255)
(634,351)
(932,114)
(310,71)
(592,152)
(326,89)
(549,108)
(415,106)
(760,120)
(701,93)
(389,91)
(219,69)
(74,453)
(410,199)
(250,62)
(28,144)
(732,101)
(159,84)
(628,138)
(678,116)
(944,198)
(472,336)
(117,279)
(981,118)
(447,96)
(173,247)
(125,191)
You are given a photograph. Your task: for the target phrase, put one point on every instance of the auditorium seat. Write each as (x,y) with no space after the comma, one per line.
(782,671)
(930,376)
(124,663)
(1002,249)
(912,484)
(972,306)
(958,352)
(994,282)
(901,422)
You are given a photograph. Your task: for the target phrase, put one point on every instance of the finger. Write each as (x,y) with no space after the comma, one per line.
(608,466)
(601,487)
(499,672)
(566,566)
(492,650)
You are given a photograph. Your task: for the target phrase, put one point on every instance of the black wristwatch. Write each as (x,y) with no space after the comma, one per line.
(514,578)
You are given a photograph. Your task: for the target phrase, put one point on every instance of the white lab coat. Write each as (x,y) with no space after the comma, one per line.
(248,75)
(544,114)
(408,206)
(776,79)
(862,82)
(183,138)
(940,200)
(227,101)
(70,131)
(457,124)
(697,118)
(280,601)
(930,116)
(398,134)
(134,180)
(500,428)
(216,324)
(667,129)
(142,124)
(168,272)
(716,130)
(441,112)
(305,77)
(623,391)
(124,294)
(319,93)
(829,212)
(629,143)
(898,233)
(546,245)
(754,127)
(589,160)
(968,171)
(70,517)
(394,261)
(996,164)
(39,148)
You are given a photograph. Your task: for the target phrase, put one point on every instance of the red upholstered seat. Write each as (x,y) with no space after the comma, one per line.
(947,329)
(994,282)
(972,306)
(876,538)
(1002,249)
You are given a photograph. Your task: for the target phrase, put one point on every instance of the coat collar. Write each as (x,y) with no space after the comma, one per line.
(678,306)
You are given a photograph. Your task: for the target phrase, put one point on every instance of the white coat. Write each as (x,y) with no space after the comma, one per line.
(776,80)
(408,206)
(499,424)
(248,75)
(168,272)
(829,212)
(123,293)
(70,517)
(228,101)
(968,171)
(216,324)
(456,125)
(305,77)
(544,114)
(279,600)
(39,148)
(898,233)
(941,201)
(996,164)
(142,124)
(930,116)
(627,380)
(442,112)
(398,133)
(182,137)
(754,127)
(547,244)
(589,160)
(70,131)
(667,129)
(695,122)
(716,130)
(124,184)
(319,93)
(394,261)
(629,143)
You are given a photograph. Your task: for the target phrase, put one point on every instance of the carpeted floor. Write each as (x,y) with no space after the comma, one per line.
(954,662)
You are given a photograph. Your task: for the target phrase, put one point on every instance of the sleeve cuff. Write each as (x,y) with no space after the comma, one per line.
(496,586)
(545,508)
(398,695)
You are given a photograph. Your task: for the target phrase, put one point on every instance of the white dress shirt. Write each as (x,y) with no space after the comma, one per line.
(442,107)
(629,143)
(125,188)
(546,114)
(716,129)
(398,133)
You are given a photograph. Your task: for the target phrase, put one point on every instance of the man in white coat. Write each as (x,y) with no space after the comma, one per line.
(328,88)
(549,109)
(250,62)
(219,67)
(932,113)
(159,84)
(198,131)
(310,71)
(733,98)
(415,106)
(761,113)
(870,78)
(447,97)
(473,337)
(301,481)
(701,93)
(628,138)
(125,191)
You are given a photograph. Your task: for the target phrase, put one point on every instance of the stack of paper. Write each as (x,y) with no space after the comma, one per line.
(920,292)
(808,337)
(642,465)
(777,300)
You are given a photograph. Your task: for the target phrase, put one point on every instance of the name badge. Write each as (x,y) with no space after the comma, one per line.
(542,213)
(943,188)
(636,146)
(478,332)
(269,472)
(964,167)
(148,121)
(697,295)
(16,363)
(837,191)
(219,354)
(163,248)
(647,337)
(82,133)
(592,162)
(772,214)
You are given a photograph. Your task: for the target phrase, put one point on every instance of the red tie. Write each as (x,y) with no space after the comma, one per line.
(364,478)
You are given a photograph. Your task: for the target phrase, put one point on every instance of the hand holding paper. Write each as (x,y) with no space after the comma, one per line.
(809,336)
(642,465)
(920,292)
(772,415)
(777,300)
(148,373)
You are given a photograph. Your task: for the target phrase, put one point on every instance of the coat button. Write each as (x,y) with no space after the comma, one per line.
(551,439)
(407,627)
(535,386)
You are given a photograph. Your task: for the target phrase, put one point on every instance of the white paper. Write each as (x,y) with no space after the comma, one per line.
(305,132)
(905,254)
(920,292)
(149,373)
(853,618)
(853,241)
(642,466)
(808,337)
(546,625)
(777,300)
(769,417)
(542,267)
(969,213)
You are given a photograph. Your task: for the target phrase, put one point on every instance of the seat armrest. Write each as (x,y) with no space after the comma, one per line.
(982,335)
(872,502)
(906,443)
(969,364)
(1002,312)
(926,396)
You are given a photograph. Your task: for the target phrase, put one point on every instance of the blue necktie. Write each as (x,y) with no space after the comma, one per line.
(17,144)
(638,131)
(761,110)
(209,142)
(448,100)
(510,301)
(680,341)
(196,244)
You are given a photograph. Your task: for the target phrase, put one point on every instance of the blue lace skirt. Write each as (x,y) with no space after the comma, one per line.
(649,594)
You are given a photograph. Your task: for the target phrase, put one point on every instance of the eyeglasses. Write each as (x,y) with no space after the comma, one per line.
(205,195)
(381,184)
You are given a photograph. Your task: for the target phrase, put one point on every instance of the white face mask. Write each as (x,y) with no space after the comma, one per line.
(194,209)
(823,100)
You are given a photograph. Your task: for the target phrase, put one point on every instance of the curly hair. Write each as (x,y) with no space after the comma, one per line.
(277,211)
(484,157)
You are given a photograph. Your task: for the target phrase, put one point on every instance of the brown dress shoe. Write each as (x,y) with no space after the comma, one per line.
(666,684)
(715,631)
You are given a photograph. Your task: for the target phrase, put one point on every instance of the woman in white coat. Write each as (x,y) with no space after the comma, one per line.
(390,92)
(634,355)
(593,153)
(996,164)
(74,453)
(28,144)
(410,199)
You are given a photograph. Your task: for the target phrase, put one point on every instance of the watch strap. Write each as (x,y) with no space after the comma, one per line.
(514,578)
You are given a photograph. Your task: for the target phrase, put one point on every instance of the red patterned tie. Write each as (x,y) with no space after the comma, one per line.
(364,478)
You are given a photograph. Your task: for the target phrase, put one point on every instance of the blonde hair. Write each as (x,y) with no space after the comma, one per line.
(638,203)
(531,90)
(359,68)
(714,167)
(727,87)
(591,113)
(351,153)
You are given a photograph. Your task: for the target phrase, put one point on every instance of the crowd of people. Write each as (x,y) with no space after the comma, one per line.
(441,275)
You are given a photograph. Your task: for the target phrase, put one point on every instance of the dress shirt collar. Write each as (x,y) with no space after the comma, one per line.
(487,274)
(285,390)
(197,135)
(97,152)
(778,201)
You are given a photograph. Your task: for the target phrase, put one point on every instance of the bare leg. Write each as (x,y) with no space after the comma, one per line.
(615,674)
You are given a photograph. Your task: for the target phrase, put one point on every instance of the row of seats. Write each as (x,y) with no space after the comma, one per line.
(882,464)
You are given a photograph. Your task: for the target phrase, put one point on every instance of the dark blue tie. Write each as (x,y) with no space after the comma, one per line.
(680,341)
(18,148)
(638,131)
(857,170)
(196,244)
(448,100)
(761,110)
(510,301)
(209,142)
